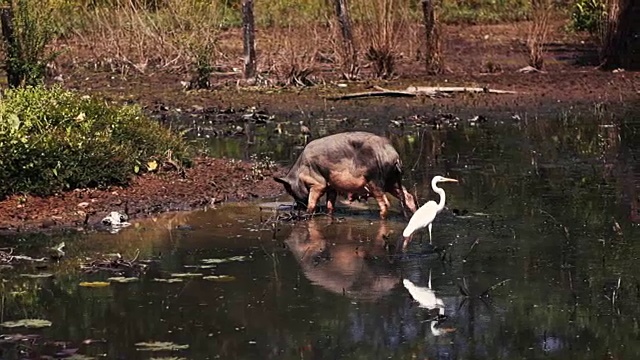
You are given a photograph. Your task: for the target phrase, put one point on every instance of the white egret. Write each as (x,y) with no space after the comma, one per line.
(426,213)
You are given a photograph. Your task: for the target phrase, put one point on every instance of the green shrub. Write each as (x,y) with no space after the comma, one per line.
(54,139)
(588,15)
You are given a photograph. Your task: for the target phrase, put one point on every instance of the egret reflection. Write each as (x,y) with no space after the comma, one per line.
(427,299)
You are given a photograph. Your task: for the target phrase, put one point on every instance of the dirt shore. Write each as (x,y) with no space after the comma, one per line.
(208,182)
(485,56)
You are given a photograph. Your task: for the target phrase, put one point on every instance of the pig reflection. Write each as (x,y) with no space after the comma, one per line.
(331,257)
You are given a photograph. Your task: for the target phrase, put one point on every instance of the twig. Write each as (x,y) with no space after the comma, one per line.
(473,246)
(486,292)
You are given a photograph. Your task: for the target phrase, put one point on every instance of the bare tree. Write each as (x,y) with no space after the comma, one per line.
(621,46)
(350,54)
(249,39)
(434,63)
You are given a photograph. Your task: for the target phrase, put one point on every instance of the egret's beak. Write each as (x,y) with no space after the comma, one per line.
(449,180)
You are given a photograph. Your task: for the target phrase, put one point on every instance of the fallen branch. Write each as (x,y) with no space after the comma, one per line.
(386,93)
(413,91)
(118,265)
(7,257)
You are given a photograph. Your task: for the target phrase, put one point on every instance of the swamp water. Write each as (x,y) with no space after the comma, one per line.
(541,257)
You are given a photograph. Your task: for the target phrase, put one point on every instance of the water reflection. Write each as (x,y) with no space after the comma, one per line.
(559,198)
(332,257)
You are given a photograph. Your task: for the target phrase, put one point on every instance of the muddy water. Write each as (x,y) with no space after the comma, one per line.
(541,261)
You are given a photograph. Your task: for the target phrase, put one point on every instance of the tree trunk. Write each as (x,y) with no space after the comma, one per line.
(14,77)
(621,47)
(248,39)
(434,63)
(350,54)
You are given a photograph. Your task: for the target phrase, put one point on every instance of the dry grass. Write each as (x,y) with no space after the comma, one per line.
(381,30)
(186,36)
(542,10)
(292,55)
(126,37)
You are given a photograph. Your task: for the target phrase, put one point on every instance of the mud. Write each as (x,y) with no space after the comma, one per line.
(207,183)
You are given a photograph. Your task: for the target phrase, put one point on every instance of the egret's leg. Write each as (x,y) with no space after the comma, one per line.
(429,226)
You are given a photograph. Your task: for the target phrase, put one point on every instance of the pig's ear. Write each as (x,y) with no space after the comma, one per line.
(281,180)
(287,184)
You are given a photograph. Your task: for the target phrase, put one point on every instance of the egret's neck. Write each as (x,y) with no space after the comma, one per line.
(439,191)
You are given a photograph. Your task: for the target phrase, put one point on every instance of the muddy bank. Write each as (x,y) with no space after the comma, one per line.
(208,182)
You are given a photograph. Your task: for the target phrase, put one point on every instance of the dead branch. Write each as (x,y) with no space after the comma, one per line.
(7,257)
(413,91)
(117,266)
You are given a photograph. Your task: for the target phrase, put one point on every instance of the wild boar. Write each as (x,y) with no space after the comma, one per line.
(354,163)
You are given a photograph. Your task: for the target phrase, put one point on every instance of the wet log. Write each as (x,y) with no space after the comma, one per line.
(413,91)
(248,39)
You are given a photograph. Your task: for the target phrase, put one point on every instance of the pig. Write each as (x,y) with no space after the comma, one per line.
(355,163)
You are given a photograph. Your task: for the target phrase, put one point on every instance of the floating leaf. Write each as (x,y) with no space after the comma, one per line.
(221,278)
(28,323)
(95,284)
(186,275)
(211,266)
(160,346)
(224,260)
(37,276)
(122,279)
(169,281)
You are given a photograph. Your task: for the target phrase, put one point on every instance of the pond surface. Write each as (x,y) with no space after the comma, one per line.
(541,242)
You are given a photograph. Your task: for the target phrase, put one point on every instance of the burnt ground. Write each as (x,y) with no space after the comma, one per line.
(475,56)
